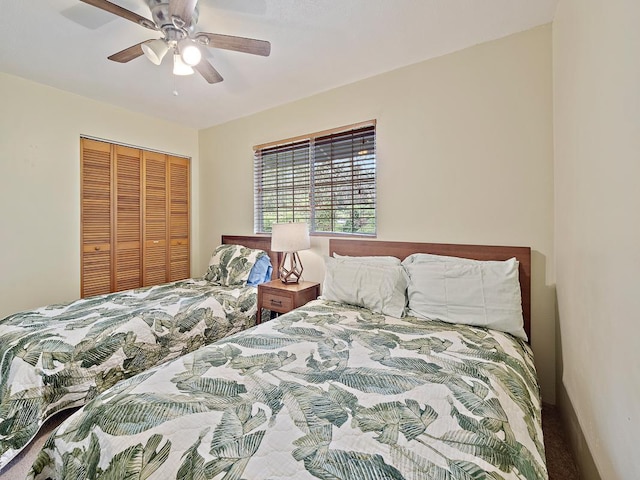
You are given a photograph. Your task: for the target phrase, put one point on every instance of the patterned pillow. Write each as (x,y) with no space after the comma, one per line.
(230,265)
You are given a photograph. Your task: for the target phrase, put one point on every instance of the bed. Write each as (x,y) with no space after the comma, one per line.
(332,390)
(61,356)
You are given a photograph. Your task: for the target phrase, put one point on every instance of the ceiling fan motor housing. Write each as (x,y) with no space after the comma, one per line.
(162,18)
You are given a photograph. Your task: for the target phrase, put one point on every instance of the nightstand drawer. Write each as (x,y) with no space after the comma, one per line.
(279,297)
(277,303)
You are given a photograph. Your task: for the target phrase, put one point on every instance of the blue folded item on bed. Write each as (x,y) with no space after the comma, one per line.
(261,271)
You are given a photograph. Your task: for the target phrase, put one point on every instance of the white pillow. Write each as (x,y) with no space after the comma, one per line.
(471,292)
(378,260)
(380,288)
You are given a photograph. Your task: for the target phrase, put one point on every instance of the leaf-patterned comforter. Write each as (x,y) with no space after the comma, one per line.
(327,391)
(62,356)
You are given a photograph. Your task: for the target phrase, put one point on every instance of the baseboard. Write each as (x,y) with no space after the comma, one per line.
(577,442)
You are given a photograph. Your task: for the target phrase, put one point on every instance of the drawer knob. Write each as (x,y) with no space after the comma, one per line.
(276,302)
(97,248)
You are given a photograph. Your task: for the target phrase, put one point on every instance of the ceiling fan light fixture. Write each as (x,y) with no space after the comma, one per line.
(179,67)
(189,52)
(155,50)
(176,20)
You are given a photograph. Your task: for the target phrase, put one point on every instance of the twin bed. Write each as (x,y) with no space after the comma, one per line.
(61,356)
(332,390)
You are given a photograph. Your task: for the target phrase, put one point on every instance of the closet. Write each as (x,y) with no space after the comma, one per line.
(134,217)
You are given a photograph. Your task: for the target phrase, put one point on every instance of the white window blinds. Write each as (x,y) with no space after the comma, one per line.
(327,179)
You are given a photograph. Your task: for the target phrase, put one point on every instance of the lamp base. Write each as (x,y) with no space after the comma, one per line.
(292,273)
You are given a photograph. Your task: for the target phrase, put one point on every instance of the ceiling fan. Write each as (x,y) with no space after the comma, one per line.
(176,20)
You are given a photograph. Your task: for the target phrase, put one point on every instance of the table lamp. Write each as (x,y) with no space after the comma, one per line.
(290,238)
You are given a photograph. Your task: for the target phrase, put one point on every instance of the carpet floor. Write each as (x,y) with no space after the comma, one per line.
(560,463)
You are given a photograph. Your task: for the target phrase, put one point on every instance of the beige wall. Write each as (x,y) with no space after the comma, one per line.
(596,65)
(40,128)
(464,155)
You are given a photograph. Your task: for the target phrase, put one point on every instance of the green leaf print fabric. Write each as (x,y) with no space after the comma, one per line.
(62,356)
(327,391)
(230,265)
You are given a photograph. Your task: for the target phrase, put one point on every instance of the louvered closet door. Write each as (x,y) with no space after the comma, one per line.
(128,221)
(96,217)
(179,259)
(155,218)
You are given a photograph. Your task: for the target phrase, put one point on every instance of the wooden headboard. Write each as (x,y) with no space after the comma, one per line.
(256,241)
(358,248)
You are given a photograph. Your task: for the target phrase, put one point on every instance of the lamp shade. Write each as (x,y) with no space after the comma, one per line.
(290,237)
(155,50)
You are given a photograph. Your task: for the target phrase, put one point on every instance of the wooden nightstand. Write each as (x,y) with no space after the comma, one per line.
(282,298)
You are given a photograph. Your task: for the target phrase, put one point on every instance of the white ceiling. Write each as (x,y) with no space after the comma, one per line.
(316,45)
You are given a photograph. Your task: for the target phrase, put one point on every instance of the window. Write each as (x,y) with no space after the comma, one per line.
(327,179)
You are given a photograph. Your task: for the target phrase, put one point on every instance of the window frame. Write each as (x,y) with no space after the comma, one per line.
(362,168)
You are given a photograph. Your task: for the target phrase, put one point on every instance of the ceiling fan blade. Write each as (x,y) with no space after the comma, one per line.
(209,73)
(129,54)
(239,44)
(183,9)
(122,12)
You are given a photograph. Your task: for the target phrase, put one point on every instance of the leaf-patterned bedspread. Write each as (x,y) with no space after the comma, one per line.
(62,356)
(327,391)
